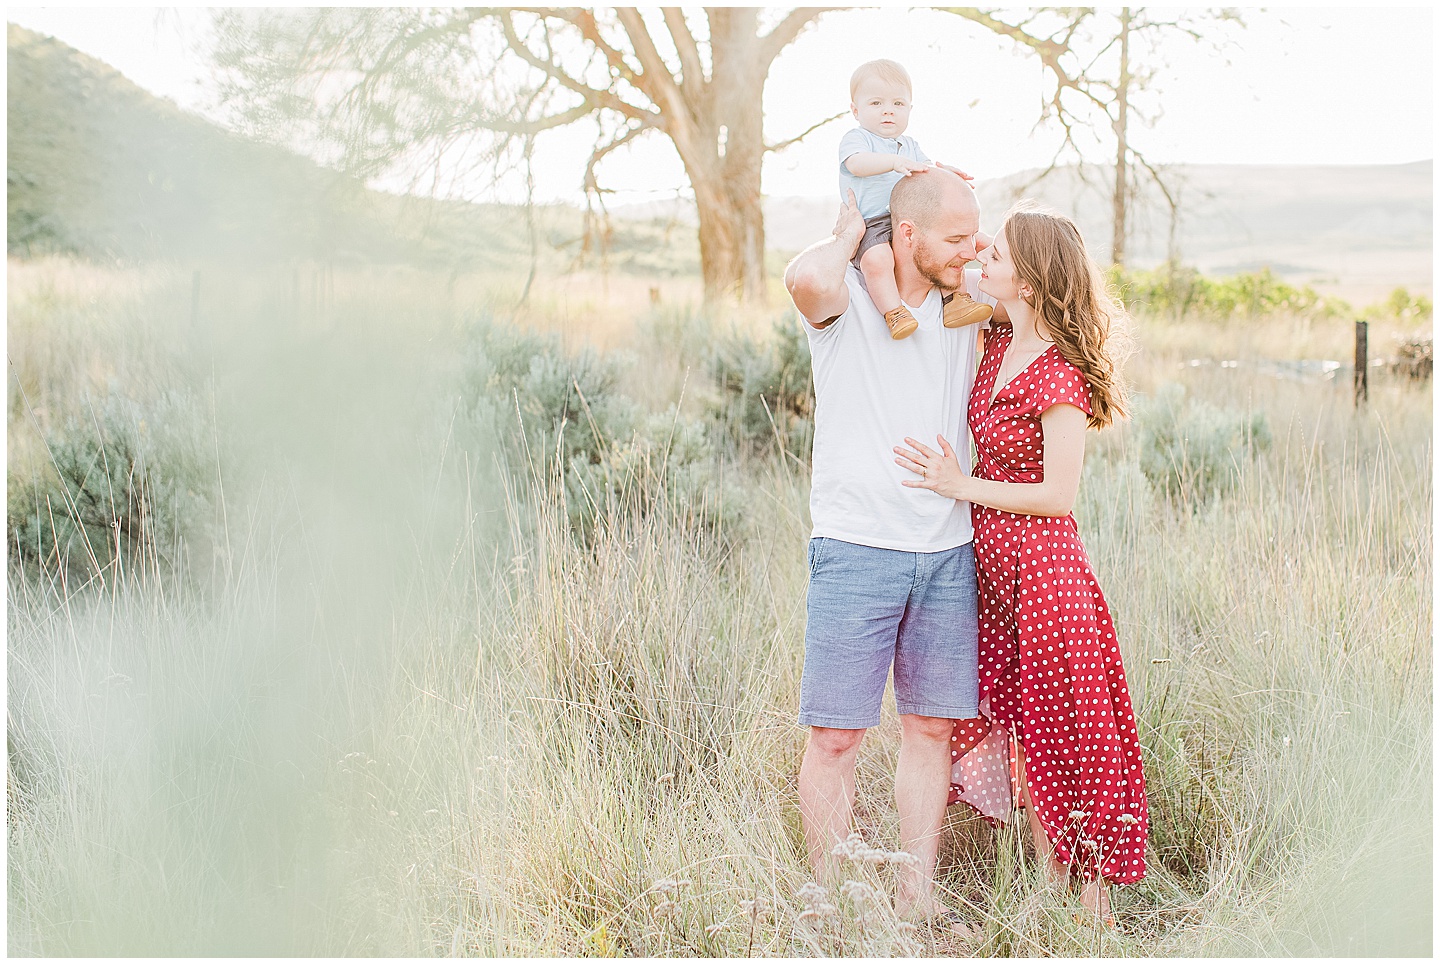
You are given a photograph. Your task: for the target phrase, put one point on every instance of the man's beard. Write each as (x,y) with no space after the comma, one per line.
(932,269)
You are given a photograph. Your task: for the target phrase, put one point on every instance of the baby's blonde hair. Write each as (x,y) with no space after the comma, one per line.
(885,70)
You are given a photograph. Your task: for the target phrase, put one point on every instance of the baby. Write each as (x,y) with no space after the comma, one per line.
(873,157)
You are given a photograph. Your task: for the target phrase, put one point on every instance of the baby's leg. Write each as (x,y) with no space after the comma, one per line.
(877,264)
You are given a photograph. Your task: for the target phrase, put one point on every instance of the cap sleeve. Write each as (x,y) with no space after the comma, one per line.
(1061,381)
(853,142)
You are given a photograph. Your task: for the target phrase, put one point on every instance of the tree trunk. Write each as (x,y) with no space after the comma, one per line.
(732,238)
(722,150)
(1122,147)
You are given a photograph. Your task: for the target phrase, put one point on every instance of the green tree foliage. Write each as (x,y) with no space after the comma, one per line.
(1402,306)
(1178,292)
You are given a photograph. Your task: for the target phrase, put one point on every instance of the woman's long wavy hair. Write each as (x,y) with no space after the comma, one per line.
(1086,321)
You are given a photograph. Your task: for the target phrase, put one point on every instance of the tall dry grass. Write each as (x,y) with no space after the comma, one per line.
(404,709)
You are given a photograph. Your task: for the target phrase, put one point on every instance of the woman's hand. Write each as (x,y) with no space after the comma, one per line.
(939,472)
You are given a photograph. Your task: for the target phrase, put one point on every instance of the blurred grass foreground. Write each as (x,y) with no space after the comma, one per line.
(398,620)
(385,579)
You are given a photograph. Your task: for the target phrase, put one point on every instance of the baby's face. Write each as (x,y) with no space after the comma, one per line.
(882,106)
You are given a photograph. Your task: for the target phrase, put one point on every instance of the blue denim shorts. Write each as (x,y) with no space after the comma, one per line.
(868,609)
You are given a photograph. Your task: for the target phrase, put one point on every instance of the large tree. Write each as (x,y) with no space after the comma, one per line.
(369,89)
(1099,64)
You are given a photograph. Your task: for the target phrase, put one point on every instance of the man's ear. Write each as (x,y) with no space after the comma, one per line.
(903,231)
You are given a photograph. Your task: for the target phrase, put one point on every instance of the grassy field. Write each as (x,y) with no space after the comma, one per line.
(401,647)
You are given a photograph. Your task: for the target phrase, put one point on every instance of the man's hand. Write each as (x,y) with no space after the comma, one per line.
(849,226)
(908,167)
(815,278)
(954,170)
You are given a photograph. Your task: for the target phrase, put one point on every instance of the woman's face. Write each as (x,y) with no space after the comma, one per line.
(997,271)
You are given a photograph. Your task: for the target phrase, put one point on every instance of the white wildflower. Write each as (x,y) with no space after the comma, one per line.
(810,893)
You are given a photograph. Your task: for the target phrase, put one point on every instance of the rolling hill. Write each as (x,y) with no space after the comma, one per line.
(1358,231)
(98,167)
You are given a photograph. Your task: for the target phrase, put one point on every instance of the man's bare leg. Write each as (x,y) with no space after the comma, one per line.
(827,793)
(922,785)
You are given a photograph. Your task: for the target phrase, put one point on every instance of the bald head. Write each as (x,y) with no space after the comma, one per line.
(935,220)
(922,198)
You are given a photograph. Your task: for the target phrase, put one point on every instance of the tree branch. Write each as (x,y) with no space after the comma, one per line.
(1155,176)
(692,72)
(584,20)
(594,97)
(786,31)
(590,182)
(506,125)
(656,79)
(813,127)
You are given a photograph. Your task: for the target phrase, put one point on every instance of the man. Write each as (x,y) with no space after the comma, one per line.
(892,572)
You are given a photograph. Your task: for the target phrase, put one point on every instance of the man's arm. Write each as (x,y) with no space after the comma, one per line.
(815,279)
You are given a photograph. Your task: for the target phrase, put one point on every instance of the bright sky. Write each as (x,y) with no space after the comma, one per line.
(1301,86)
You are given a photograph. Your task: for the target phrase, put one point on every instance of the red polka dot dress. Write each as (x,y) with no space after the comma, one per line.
(1050,668)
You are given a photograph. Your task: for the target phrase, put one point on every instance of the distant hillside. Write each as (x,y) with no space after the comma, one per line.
(101,168)
(1359,231)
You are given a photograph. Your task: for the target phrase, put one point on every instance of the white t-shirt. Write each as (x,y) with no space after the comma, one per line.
(872,391)
(872,194)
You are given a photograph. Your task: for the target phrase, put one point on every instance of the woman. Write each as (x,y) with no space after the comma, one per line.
(1050,667)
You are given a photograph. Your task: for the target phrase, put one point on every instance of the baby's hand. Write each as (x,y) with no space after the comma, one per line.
(954,170)
(908,167)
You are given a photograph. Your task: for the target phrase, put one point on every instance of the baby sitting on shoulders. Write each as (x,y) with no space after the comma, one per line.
(873,157)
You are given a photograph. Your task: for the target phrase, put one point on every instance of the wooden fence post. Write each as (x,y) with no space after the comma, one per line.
(1362,363)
